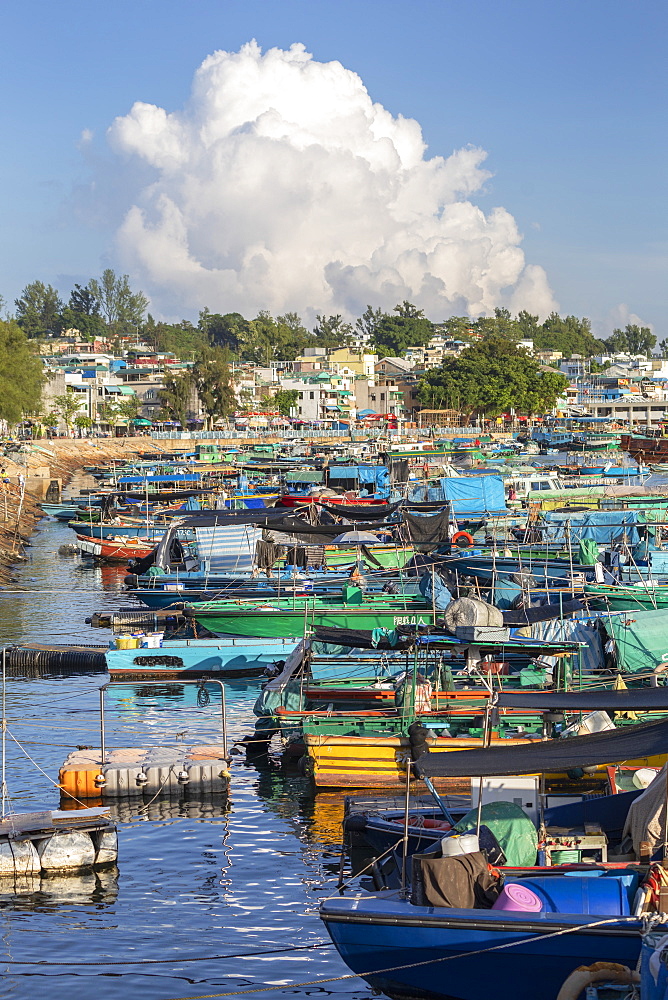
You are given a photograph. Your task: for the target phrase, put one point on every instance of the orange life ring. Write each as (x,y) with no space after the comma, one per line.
(462,539)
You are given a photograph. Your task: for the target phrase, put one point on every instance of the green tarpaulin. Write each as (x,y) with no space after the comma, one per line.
(512,828)
(641,638)
(305,476)
(587,552)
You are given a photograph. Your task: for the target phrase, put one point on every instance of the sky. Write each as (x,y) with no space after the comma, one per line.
(319,155)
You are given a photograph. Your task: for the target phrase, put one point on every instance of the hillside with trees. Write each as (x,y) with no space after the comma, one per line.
(491,376)
(107,306)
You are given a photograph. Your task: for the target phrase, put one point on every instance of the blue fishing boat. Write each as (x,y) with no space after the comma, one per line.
(224,658)
(407,951)
(525,931)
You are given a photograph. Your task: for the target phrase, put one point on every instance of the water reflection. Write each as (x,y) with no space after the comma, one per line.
(195,877)
(44,893)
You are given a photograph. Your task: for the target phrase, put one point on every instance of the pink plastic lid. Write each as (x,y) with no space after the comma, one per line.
(515,896)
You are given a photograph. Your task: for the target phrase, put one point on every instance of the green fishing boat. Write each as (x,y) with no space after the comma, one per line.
(291,616)
(643,597)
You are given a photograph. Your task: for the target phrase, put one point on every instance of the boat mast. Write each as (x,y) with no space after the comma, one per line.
(4,730)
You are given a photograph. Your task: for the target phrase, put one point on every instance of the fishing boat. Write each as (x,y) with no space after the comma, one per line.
(366,744)
(301,499)
(68,509)
(647,595)
(543,923)
(229,658)
(607,812)
(292,616)
(115,550)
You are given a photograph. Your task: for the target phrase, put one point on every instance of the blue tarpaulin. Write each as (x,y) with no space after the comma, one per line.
(434,590)
(601,526)
(467,494)
(376,475)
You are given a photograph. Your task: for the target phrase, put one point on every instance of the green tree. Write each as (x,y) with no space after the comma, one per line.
(176,397)
(212,379)
(408,328)
(67,406)
(82,313)
(39,309)
(458,327)
(332,332)
(120,306)
(83,422)
(21,374)
(527,325)
(491,377)
(181,339)
(569,335)
(284,400)
(367,324)
(265,339)
(127,408)
(228,331)
(633,339)
(107,412)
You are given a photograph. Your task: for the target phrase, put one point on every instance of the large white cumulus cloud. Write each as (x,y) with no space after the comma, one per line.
(282,185)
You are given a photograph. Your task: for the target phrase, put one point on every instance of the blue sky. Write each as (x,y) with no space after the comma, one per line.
(567,98)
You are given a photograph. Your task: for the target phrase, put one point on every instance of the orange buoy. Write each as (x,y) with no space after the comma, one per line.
(462,539)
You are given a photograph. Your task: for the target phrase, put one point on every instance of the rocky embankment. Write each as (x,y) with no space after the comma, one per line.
(26,475)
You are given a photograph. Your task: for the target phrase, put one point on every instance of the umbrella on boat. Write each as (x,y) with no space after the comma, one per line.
(357,538)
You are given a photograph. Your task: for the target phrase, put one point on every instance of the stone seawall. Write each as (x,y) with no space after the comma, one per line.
(27,475)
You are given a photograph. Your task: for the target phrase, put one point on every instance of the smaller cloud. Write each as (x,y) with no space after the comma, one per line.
(85,138)
(621,315)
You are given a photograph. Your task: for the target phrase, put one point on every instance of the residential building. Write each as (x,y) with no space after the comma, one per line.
(346,361)
(388,367)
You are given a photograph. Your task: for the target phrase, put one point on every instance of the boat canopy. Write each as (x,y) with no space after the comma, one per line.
(305,476)
(646,740)
(176,478)
(377,476)
(632,699)
(403,637)
(601,526)
(640,639)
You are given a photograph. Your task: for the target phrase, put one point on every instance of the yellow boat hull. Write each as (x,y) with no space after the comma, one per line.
(380,762)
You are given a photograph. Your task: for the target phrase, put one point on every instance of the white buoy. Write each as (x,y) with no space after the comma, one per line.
(18,857)
(67,852)
(106,846)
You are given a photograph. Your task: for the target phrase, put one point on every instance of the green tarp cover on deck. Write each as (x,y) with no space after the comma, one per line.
(641,638)
(512,828)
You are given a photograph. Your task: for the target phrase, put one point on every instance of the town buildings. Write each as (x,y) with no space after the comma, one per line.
(331,387)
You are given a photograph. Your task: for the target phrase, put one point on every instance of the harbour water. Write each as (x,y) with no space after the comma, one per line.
(202,879)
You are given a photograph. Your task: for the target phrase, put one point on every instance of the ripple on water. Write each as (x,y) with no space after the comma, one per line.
(197,879)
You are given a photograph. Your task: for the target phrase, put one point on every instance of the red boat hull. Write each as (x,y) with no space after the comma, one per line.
(109,550)
(298,500)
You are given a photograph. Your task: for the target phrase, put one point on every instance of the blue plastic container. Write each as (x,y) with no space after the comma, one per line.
(571,894)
